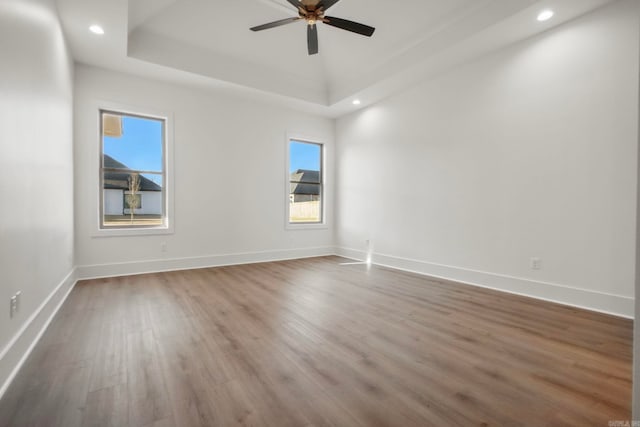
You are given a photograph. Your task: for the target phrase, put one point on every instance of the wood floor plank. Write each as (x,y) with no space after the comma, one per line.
(318,343)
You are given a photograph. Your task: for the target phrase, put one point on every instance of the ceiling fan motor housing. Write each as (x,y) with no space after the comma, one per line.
(312,11)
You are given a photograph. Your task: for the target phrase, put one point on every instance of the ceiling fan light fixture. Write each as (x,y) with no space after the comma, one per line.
(313,11)
(545,15)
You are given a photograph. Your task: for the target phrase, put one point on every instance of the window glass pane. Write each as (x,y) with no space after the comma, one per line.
(304,203)
(120,192)
(151,182)
(305,182)
(132,174)
(304,162)
(139,144)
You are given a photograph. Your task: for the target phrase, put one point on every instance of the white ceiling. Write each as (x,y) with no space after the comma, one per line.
(208,43)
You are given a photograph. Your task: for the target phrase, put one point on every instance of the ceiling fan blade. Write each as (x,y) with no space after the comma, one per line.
(275,24)
(326,4)
(312,39)
(344,24)
(295,3)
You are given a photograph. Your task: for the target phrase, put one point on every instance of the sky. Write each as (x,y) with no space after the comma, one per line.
(139,147)
(304,156)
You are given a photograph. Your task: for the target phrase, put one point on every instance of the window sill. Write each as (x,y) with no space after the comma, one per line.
(124,232)
(306,226)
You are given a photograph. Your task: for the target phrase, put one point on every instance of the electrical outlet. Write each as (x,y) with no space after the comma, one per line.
(535,263)
(163,247)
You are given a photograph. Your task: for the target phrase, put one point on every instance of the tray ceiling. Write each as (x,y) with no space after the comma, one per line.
(208,42)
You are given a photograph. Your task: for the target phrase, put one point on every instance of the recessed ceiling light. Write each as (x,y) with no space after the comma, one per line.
(545,15)
(96,29)
(356,102)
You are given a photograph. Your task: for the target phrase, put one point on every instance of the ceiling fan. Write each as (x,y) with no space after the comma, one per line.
(313,11)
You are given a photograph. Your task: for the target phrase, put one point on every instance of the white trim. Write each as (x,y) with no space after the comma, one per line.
(305,225)
(123,232)
(176,264)
(98,105)
(69,282)
(582,298)
(324,224)
(602,302)
(616,305)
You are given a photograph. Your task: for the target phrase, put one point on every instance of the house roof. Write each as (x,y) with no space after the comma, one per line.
(119,180)
(305,181)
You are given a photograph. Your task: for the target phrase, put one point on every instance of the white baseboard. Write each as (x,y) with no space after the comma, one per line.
(175,264)
(20,346)
(576,297)
(17,350)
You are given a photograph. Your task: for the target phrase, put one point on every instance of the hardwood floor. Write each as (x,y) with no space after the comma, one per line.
(310,343)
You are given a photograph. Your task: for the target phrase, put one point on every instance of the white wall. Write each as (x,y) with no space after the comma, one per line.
(36,170)
(113,202)
(636,335)
(229,177)
(528,152)
(150,201)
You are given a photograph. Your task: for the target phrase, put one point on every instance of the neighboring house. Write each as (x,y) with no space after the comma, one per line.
(116,187)
(304,186)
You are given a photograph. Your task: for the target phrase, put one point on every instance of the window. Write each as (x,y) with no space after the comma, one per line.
(305,182)
(133,171)
(132,199)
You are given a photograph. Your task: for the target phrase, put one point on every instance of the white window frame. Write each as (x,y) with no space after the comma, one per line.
(168,222)
(323,184)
